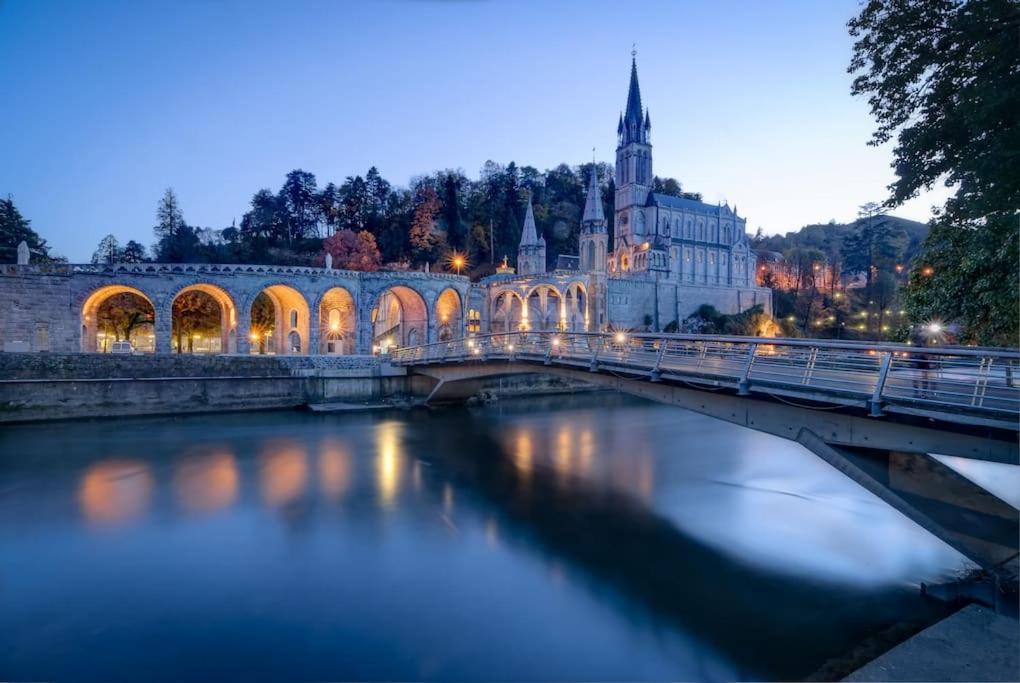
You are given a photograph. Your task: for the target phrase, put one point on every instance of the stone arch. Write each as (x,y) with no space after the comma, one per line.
(227,337)
(400,318)
(545,307)
(576,305)
(449,315)
(280,338)
(96,327)
(338,322)
(507,312)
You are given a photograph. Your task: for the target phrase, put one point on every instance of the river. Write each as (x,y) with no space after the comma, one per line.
(590,537)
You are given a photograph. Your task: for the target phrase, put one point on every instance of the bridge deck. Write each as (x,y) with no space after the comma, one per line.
(956,385)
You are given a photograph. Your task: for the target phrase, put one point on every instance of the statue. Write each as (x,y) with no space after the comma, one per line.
(329,261)
(23,253)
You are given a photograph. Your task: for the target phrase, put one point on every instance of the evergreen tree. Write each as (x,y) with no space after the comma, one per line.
(14,228)
(169,218)
(298,200)
(134,252)
(451,183)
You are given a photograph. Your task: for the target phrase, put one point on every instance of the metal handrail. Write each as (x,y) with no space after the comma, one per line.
(878,377)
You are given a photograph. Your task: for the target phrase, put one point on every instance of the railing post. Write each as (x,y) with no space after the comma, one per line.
(656,374)
(744,383)
(876,398)
(594,366)
(809,370)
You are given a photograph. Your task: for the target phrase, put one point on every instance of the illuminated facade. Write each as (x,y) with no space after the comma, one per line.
(669,255)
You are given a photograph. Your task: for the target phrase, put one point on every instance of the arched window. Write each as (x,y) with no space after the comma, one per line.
(293,317)
(334,319)
(294,341)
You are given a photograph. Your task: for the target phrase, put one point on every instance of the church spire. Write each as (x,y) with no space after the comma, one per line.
(529,235)
(634,124)
(593,203)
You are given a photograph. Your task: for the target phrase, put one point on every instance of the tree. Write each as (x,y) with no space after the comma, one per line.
(329,208)
(299,201)
(169,218)
(451,182)
(353,250)
(194,313)
(134,252)
(122,313)
(423,239)
(942,77)
(176,241)
(870,250)
(108,251)
(265,222)
(14,229)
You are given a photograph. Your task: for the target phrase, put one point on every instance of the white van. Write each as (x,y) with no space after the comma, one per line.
(122,346)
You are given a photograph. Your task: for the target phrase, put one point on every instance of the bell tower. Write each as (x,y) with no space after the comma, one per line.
(633,166)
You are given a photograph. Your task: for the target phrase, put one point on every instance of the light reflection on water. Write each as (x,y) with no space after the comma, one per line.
(581,538)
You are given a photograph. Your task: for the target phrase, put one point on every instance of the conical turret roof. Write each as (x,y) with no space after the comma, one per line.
(593,202)
(529,235)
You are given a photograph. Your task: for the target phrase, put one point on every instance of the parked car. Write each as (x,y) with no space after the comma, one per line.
(122,346)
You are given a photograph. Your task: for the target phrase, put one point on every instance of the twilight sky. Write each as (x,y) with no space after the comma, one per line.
(108,103)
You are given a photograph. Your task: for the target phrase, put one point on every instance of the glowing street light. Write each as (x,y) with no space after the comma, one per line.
(456,261)
(620,337)
(927,271)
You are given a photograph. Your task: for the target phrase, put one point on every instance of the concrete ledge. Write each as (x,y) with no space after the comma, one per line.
(974,644)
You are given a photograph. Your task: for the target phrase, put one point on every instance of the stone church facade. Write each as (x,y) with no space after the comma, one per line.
(669,255)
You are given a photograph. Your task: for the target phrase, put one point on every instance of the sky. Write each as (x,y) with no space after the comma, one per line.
(109,103)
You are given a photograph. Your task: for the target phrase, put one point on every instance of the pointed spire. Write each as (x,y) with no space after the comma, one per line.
(619,128)
(593,203)
(633,113)
(529,235)
(648,120)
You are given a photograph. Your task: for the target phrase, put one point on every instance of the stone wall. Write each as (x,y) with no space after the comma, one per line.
(629,301)
(47,386)
(55,386)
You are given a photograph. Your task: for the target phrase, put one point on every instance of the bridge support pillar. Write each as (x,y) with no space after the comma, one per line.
(960,513)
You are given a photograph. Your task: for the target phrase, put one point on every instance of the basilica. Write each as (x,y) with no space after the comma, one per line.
(669,255)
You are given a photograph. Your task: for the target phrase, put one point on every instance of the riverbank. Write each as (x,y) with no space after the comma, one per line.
(48,386)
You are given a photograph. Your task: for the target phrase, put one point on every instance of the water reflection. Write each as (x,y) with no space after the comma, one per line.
(389,461)
(335,468)
(610,540)
(283,471)
(207,482)
(114,491)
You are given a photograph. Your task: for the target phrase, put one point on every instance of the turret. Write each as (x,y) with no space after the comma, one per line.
(531,251)
(593,240)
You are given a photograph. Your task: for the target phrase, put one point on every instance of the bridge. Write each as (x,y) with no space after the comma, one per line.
(874,411)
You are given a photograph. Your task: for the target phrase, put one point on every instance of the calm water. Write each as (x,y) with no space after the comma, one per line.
(560,538)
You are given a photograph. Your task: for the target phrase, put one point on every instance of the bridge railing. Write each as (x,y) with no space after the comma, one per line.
(879,376)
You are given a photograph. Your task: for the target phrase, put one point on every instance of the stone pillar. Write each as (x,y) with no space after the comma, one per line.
(163,328)
(243,331)
(432,328)
(314,328)
(363,325)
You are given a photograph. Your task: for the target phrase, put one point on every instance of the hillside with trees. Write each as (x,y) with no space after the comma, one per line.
(842,280)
